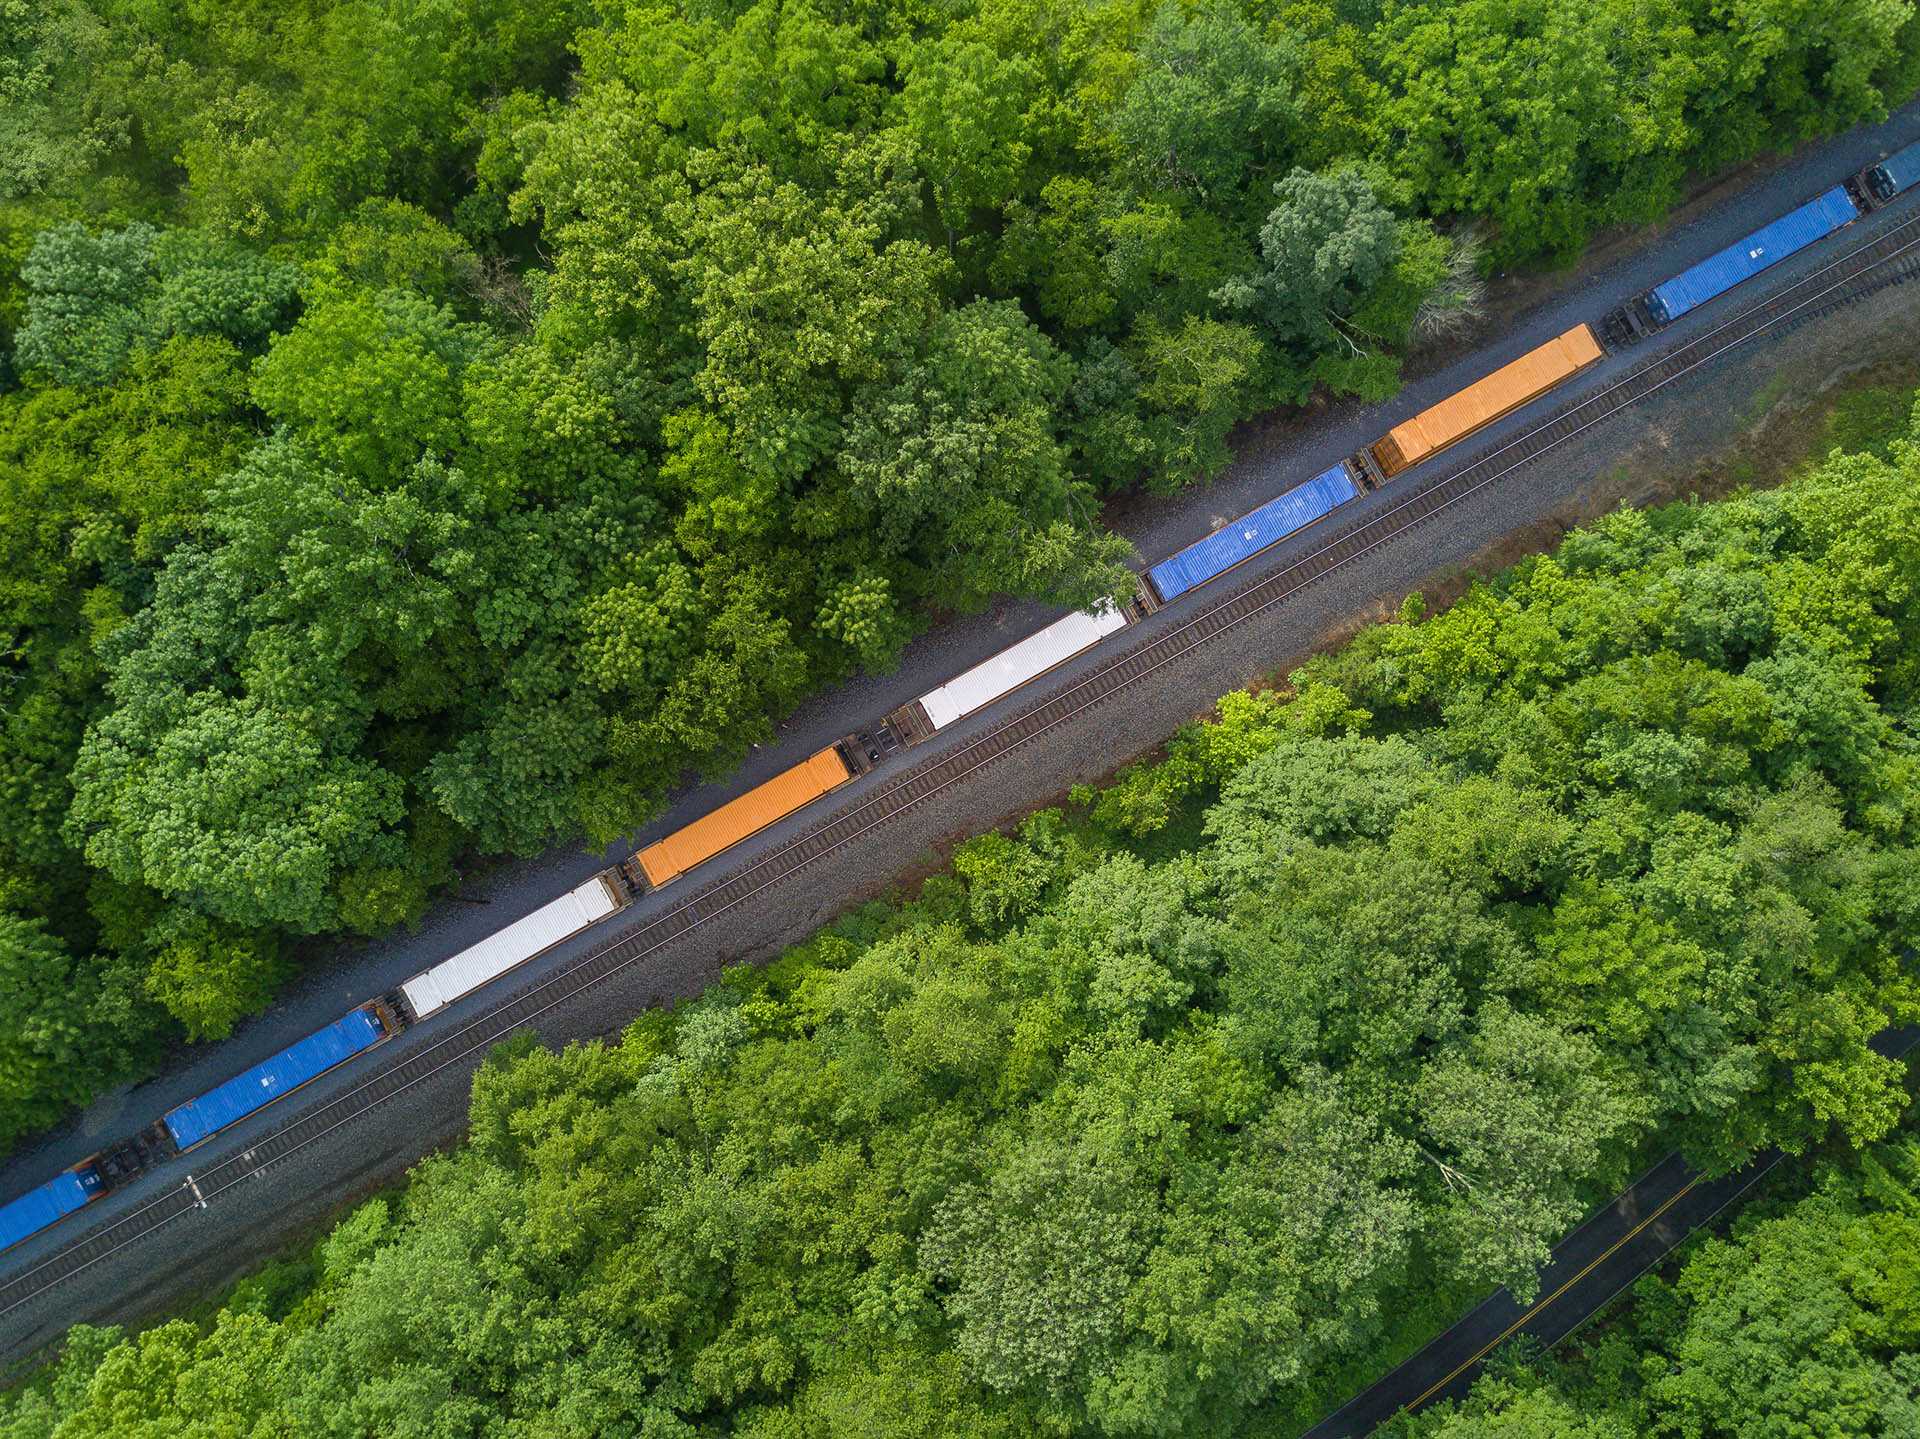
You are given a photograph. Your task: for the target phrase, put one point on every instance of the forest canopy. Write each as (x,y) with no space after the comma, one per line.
(434,430)
(1171,1112)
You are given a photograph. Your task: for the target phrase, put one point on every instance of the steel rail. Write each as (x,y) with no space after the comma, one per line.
(1849,277)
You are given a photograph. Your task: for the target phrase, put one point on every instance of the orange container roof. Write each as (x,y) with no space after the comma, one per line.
(752,812)
(1489,397)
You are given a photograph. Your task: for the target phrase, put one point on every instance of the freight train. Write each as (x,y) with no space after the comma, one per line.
(1518,383)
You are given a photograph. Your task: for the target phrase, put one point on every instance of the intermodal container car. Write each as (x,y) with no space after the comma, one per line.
(1253,532)
(1005,672)
(1485,400)
(42,1208)
(530,935)
(1766,246)
(667,859)
(198,1120)
(1899,171)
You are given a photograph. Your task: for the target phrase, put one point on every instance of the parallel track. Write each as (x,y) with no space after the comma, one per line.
(1891,259)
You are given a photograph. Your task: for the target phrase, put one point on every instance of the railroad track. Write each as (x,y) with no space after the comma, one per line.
(1892,258)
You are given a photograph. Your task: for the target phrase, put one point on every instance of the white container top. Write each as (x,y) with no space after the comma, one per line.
(532,934)
(1017,664)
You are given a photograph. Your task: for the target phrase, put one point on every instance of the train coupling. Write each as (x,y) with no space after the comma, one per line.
(863,749)
(1365,470)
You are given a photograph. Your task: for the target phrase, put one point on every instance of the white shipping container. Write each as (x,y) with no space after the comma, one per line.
(1015,665)
(519,942)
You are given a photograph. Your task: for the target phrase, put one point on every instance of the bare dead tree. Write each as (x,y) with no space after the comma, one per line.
(1459,301)
(1456,1180)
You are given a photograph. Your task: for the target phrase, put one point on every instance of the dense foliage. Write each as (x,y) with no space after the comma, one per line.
(1159,1116)
(435,428)
(1802,1322)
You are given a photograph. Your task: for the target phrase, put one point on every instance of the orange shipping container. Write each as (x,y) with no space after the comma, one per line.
(752,812)
(1486,400)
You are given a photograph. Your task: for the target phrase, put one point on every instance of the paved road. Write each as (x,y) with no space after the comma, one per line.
(1590,1267)
(1268,467)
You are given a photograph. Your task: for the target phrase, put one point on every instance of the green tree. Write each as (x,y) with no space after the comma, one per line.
(1796,1322)
(234,808)
(1507,1119)
(208,975)
(1037,1266)
(211,1382)
(1214,1340)
(75,1023)
(54,127)
(1211,105)
(1327,243)
(371,380)
(1514,1409)
(391,245)
(957,465)
(1196,380)
(966,108)
(362,574)
(94,300)
(1056,248)
(87,297)
(796,299)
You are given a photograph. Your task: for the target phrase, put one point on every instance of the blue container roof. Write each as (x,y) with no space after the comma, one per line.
(1903,167)
(292,1067)
(51,1202)
(1768,245)
(1253,532)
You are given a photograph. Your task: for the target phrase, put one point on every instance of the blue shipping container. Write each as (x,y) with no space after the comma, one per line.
(51,1202)
(1252,532)
(1766,246)
(292,1067)
(1901,168)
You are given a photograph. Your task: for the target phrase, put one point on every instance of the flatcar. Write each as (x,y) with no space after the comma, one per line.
(581,907)
(1898,173)
(743,816)
(1239,540)
(992,679)
(94,1177)
(1829,211)
(1487,399)
(1427,433)
(189,1125)
(47,1204)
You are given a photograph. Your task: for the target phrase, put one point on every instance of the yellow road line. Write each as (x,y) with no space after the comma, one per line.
(1540,1305)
